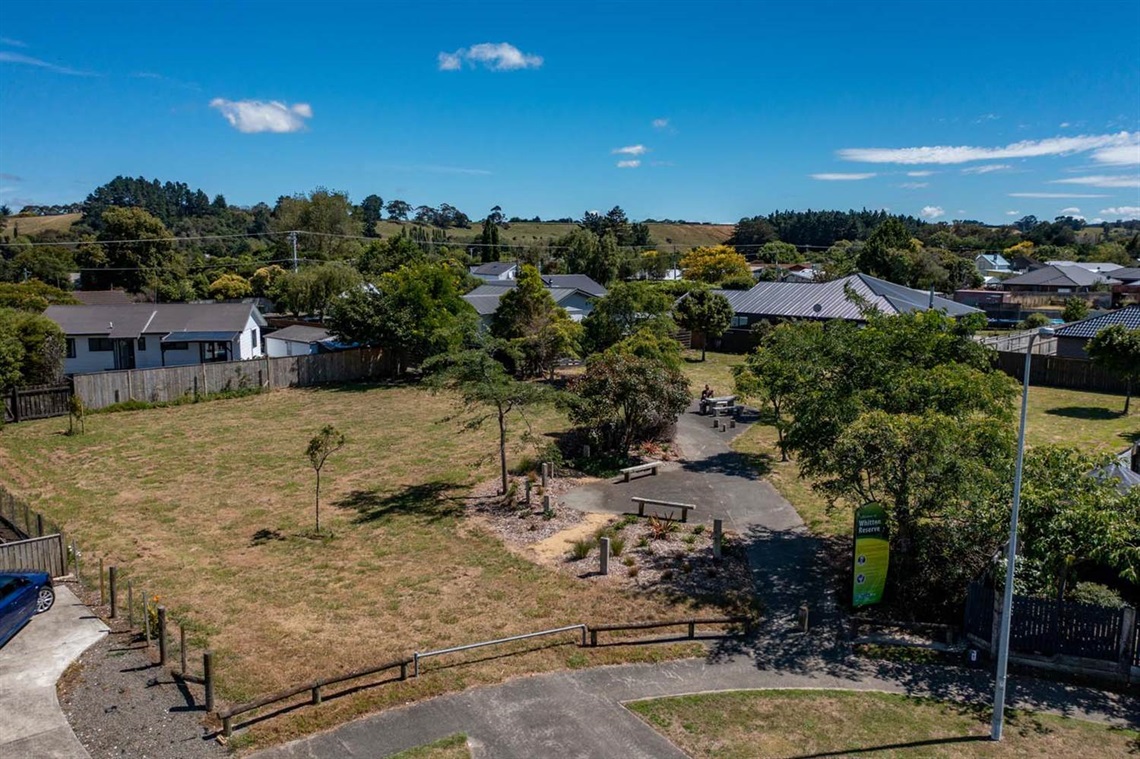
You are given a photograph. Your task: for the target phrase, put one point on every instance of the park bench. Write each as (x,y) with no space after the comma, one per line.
(648,466)
(642,502)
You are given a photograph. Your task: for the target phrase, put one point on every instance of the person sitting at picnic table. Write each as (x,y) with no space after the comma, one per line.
(705,395)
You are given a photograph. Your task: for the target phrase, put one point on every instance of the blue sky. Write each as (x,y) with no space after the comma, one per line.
(723,109)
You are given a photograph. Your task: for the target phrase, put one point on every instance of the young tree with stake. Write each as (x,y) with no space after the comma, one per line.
(327,441)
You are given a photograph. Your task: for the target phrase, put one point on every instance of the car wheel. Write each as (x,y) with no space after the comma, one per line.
(45,599)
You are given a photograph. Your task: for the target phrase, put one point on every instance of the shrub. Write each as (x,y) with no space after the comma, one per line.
(580,549)
(660,528)
(1095,594)
(633,570)
(617,545)
(643,541)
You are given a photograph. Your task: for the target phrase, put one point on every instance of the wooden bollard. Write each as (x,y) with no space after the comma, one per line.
(316,696)
(182,646)
(604,553)
(146,618)
(75,555)
(208,677)
(718,538)
(528,485)
(716,422)
(39,525)
(544,483)
(102,589)
(114,577)
(586,451)
(130,606)
(546,510)
(732,423)
(692,630)
(804,617)
(162,635)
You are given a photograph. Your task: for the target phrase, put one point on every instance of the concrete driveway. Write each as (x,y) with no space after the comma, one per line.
(31,722)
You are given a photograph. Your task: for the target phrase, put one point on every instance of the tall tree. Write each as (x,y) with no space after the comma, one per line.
(625,308)
(370,211)
(135,251)
(535,325)
(712,264)
(398,210)
(1116,349)
(706,312)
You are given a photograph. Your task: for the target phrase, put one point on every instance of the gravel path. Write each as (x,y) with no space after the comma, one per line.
(121,704)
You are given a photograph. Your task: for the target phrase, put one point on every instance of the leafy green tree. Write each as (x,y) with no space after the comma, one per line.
(482,381)
(706,312)
(33,296)
(1116,349)
(31,349)
(539,329)
(314,289)
(230,287)
(624,398)
(135,250)
(388,255)
(265,278)
(713,264)
(325,443)
(650,344)
(1075,310)
(1034,321)
(327,215)
(370,211)
(779,252)
(625,308)
(398,210)
(415,312)
(887,252)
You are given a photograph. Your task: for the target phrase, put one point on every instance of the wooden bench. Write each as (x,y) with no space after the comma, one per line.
(650,466)
(642,502)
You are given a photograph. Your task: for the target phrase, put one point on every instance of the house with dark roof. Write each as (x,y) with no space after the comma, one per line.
(574,292)
(497,271)
(102,297)
(1058,279)
(1129,275)
(781,301)
(147,335)
(300,340)
(1072,339)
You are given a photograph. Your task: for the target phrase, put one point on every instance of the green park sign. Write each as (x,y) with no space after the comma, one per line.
(871,557)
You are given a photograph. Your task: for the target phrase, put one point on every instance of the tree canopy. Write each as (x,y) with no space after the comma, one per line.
(1116,349)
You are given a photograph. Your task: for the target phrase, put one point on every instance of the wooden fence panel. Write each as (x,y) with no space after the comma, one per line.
(36,402)
(44,554)
(173,382)
(1056,371)
(980,611)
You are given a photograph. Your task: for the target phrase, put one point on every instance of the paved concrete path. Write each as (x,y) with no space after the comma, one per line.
(580,714)
(31,722)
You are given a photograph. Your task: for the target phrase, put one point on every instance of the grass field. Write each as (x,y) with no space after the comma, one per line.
(665,236)
(787,723)
(33,225)
(177,495)
(1089,421)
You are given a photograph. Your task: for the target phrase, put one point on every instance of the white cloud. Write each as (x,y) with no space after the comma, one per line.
(660,123)
(931,212)
(1109,145)
(496,56)
(1102,181)
(1012,213)
(630,150)
(914,185)
(919,173)
(1119,155)
(841,177)
(251,116)
(1070,209)
(11,42)
(1059,195)
(1097,220)
(628,164)
(987,169)
(1122,212)
(1065,125)
(27,60)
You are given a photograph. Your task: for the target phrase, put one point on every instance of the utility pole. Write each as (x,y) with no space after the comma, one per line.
(293,239)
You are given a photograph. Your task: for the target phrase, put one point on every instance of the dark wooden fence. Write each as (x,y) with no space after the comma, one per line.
(175,382)
(46,554)
(1055,371)
(979,612)
(36,402)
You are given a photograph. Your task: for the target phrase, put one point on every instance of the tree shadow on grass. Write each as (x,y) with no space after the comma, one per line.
(1131,437)
(1091,413)
(432,502)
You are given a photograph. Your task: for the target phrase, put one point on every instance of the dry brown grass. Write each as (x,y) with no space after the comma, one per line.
(176,496)
(33,225)
(454,747)
(755,724)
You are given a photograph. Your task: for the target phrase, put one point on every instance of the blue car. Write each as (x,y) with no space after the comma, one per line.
(22,595)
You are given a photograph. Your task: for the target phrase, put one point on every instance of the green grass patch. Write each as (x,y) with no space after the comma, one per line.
(782,723)
(454,747)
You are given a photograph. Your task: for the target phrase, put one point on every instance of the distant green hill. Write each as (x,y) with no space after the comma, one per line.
(665,236)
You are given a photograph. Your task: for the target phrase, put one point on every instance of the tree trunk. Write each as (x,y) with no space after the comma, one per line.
(503,451)
(1127,394)
(318,500)
(704,346)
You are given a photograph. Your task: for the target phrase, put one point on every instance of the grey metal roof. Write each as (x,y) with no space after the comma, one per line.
(575,281)
(199,337)
(1128,276)
(148,318)
(1060,276)
(102,297)
(494,268)
(485,297)
(828,300)
(1129,316)
(1101,266)
(299,333)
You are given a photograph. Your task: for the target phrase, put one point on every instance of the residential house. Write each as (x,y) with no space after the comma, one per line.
(102,297)
(992,265)
(300,340)
(1072,339)
(1097,267)
(781,301)
(574,292)
(1058,279)
(145,335)
(497,271)
(1129,276)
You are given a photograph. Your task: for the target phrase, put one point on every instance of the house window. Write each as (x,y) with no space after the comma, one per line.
(99,344)
(213,351)
(255,337)
(142,343)
(177,346)
(740,321)
(71,347)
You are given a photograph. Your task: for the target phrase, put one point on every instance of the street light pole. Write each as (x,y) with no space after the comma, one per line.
(1007,596)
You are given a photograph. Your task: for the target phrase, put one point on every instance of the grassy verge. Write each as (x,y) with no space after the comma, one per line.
(454,747)
(754,724)
(210,507)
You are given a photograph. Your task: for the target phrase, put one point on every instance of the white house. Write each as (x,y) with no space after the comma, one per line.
(573,292)
(498,271)
(992,264)
(145,335)
(299,340)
